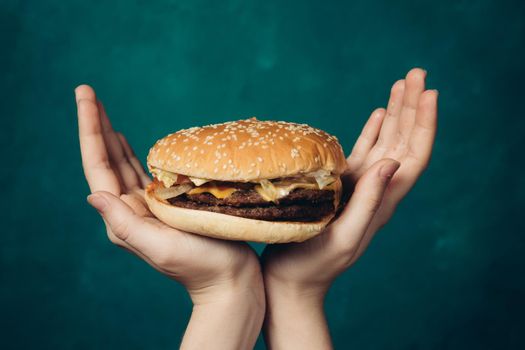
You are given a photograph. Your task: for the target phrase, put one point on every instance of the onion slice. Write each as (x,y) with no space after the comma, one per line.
(323,178)
(172,192)
(198,181)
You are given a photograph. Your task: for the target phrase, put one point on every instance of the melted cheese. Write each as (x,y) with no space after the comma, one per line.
(272,192)
(220,192)
(268,191)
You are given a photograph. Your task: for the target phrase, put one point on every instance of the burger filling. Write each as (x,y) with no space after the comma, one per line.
(307,197)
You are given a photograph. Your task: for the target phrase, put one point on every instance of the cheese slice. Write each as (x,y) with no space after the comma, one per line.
(220,192)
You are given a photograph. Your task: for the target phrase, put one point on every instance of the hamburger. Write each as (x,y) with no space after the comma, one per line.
(253,180)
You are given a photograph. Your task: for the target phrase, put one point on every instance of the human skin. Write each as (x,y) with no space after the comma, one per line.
(391,153)
(227,287)
(223,278)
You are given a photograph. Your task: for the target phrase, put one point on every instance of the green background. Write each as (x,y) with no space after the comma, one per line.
(446,273)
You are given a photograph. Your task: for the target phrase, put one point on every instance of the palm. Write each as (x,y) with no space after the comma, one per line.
(404,132)
(111,166)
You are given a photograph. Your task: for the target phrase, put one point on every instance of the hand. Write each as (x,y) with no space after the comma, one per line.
(223,278)
(392,151)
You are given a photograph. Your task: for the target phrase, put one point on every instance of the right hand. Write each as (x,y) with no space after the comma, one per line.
(388,158)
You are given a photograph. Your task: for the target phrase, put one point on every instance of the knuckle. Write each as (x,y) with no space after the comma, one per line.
(114,239)
(164,259)
(370,202)
(348,251)
(373,203)
(121,229)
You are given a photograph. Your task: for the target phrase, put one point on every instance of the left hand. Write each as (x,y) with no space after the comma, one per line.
(392,151)
(222,278)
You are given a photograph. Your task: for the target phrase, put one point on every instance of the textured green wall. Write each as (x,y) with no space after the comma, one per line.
(446,273)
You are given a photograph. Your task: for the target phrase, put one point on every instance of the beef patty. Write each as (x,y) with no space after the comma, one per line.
(251,198)
(298,205)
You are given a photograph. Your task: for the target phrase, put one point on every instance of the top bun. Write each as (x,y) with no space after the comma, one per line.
(247,150)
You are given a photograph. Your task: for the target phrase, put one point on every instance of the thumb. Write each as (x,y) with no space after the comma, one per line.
(148,239)
(117,214)
(365,201)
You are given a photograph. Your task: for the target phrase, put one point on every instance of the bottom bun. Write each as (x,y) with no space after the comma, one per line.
(231,227)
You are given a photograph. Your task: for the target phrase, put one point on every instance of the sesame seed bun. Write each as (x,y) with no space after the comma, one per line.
(244,151)
(230,227)
(247,150)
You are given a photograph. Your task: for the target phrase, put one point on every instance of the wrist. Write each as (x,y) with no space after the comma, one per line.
(295,316)
(286,290)
(227,315)
(244,284)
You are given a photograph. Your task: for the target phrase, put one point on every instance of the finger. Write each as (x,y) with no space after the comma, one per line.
(414,87)
(135,163)
(423,134)
(121,243)
(420,147)
(152,240)
(95,159)
(389,129)
(366,139)
(351,226)
(137,204)
(382,215)
(117,156)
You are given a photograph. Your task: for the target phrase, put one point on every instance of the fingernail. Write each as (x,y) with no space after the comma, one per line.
(388,170)
(437,92)
(97,201)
